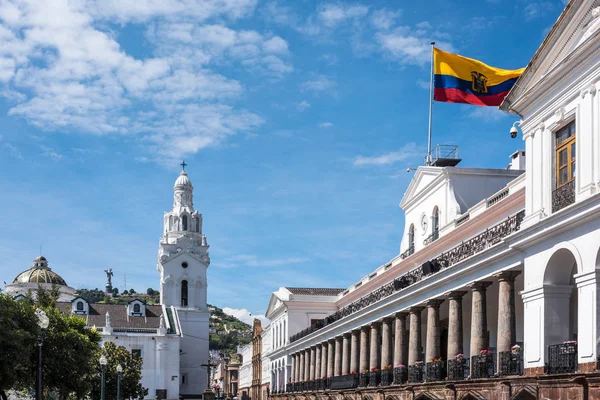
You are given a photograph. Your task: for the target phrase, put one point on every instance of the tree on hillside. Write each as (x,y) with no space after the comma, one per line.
(131,388)
(91,296)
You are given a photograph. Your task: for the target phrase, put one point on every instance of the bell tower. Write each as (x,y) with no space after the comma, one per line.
(182,263)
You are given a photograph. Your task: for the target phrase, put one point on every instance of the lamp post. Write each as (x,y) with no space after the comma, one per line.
(103,362)
(43,322)
(119,371)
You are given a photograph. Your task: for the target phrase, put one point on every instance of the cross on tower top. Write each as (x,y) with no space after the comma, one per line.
(183,164)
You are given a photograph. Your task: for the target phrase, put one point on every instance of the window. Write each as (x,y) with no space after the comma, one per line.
(136,353)
(435,222)
(184,293)
(136,308)
(184,222)
(565,155)
(80,306)
(411,239)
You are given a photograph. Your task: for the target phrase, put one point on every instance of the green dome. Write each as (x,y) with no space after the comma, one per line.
(40,273)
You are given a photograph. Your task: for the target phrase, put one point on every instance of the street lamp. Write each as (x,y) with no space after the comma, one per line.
(43,321)
(119,371)
(103,362)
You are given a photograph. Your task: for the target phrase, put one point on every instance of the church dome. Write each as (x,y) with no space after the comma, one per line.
(40,273)
(183,180)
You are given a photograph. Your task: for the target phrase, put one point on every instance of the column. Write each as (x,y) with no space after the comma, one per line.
(414,341)
(455,324)
(479,332)
(364,348)
(374,349)
(301,367)
(323,360)
(432,346)
(312,363)
(507,320)
(337,369)
(330,357)
(400,340)
(355,351)
(306,365)
(346,354)
(293,368)
(386,342)
(318,362)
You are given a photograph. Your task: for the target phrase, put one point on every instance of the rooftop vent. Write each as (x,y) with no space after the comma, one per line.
(445,155)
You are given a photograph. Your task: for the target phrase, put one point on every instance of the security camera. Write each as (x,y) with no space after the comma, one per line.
(407,169)
(513,130)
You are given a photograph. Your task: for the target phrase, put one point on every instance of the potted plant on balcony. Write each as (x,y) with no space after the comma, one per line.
(374,377)
(516,348)
(435,369)
(387,375)
(456,367)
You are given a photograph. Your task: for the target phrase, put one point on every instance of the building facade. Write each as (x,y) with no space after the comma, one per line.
(495,291)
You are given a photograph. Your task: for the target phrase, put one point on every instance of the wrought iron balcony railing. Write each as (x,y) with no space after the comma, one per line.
(466,249)
(374,378)
(431,238)
(482,366)
(458,369)
(511,363)
(562,358)
(400,375)
(363,380)
(415,373)
(344,382)
(387,377)
(408,252)
(563,196)
(436,371)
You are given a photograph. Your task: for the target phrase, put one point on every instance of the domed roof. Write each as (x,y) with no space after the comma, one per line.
(183,180)
(40,273)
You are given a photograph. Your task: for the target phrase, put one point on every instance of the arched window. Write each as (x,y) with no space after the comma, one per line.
(197,224)
(435,222)
(184,222)
(184,293)
(136,308)
(411,239)
(80,306)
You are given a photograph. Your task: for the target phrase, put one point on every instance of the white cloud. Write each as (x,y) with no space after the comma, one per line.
(407,46)
(319,84)
(13,151)
(384,19)
(50,153)
(303,105)
(325,125)
(486,113)
(246,316)
(408,151)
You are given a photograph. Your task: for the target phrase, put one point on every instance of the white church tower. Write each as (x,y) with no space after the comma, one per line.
(182,262)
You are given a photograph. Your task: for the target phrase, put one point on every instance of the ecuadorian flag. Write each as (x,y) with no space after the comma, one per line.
(459,79)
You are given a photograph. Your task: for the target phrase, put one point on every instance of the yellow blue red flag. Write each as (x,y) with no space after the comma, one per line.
(459,79)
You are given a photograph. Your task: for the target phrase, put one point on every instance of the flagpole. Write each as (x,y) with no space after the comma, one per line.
(428,159)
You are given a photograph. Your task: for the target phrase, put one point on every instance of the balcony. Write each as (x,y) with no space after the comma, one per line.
(563,196)
(436,371)
(511,363)
(458,369)
(562,358)
(483,366)
(408,252)
(431,238)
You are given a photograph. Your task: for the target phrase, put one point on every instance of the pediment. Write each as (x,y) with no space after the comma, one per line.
(203,258)
(274,303)
(423,178)
(578,24)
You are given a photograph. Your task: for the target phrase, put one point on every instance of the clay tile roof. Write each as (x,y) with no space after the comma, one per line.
(118,316)
(315,291)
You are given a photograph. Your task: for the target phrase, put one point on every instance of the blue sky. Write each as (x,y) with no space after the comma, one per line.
(297,119)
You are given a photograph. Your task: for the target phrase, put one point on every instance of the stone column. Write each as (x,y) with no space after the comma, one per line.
(507,321)
(400,340)
(364,348)
(330,357)
(414,342)
(355,351)
(346,354)
(293,368)
(318,362)
(386,342)
(432,346)
(307,365)
(374,349)
(455,324)
(312,362)
(337,368)
(479,331)
(301,366)
(323,360)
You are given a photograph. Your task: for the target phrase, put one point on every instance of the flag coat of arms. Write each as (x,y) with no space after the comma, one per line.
(459,79)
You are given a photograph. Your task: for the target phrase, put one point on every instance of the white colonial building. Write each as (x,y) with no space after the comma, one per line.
(172,337)
(498,269)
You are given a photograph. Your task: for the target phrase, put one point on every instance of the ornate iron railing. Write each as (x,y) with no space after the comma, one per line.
(436,371)
(387,377)
(319,384)
(457,369)
(344,382)
(511,363)
(415,373)
(563,196)
(289,388)
(374,378)
(482,366)
(431,238)
(363,380)
(311,386)
(466,249)
(562,358)
(400,375)
(408,252)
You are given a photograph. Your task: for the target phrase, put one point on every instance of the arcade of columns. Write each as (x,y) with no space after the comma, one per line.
(360,349)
